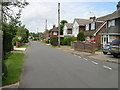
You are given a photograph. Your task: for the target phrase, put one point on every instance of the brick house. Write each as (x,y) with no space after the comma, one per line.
(67,30)
(112,30)
(100,25)
(78,25)
(54,31)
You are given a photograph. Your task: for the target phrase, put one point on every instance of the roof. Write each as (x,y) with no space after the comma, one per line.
(113,30)
(82,22)
(69,25)
(89,33)
(54,29)
(110,16)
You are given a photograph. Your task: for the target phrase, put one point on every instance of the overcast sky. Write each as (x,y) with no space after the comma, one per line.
(35,14)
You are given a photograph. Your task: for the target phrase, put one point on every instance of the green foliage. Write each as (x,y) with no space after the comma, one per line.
(67,41)
(81,36)
(7,42)
(24,33)
(54,41)
(4,71)
(46,31)
(74,39)
(15,39)
(14,66)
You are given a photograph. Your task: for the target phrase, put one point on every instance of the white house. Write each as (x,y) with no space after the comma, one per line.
(67,30)
(78,25)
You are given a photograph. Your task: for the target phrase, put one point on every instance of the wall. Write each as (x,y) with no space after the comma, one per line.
(98,37)
(64,30)
(75,28)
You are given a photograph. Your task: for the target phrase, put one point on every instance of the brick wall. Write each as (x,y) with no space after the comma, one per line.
(81,46)
(98,37)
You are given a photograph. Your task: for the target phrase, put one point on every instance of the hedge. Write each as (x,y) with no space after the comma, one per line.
(63,41)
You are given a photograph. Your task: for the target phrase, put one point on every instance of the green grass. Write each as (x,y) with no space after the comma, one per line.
(14,64)
(24,46)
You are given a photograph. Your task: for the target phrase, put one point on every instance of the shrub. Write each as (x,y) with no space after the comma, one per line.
(81,36)
(54,41)
(7,42)
(67,41)
(74,39)
(4,71)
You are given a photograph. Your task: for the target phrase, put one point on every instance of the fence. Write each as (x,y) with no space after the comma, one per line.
(86,47)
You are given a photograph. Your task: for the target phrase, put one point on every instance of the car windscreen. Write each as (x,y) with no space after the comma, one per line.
(116,42)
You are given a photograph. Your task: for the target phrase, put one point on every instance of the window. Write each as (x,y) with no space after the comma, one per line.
(111,23)
(93,26)
(87,27)
(54,33)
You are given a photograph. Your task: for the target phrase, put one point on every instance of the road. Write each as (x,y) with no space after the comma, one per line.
(47,67)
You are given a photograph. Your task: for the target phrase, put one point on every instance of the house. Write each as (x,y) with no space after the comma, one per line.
(100,25)
(78,25)
(67,30)
(54,31)
(112,30)
(93,26)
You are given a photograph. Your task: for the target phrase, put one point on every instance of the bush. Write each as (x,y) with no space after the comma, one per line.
(81,36)
(67,41)
(4,71)
(74,39)
(7,42)
(54,41)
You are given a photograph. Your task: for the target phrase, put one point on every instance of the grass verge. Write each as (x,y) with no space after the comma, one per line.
(24,46)
(14,64)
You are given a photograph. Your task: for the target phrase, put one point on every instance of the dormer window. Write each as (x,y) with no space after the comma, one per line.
(87,27)
(111,23)
(93,26)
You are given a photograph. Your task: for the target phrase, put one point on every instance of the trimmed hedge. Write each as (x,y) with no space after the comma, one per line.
(63,41)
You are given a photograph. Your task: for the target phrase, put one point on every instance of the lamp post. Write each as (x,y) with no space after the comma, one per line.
(59,24)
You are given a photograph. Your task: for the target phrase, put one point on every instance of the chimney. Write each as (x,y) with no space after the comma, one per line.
(118,5)
(93,18)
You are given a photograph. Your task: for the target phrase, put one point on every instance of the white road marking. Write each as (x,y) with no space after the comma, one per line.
(85,59)
(107,67)
(94,62)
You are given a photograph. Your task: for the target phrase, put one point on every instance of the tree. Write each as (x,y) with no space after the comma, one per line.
(81,36)
(46,31)
(10,24)
(62,23)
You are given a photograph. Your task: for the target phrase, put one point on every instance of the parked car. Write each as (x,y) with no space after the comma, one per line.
(115,48)
(106,48)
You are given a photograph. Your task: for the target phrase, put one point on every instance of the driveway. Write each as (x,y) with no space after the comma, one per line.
(47,67)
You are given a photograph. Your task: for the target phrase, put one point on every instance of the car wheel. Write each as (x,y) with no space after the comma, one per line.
(115,55)
(104,52)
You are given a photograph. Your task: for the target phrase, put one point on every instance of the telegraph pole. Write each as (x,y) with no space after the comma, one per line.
(46,24)
(1,43)
(59,24)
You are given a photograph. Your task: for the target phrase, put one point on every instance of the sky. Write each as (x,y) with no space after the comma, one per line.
(36,13)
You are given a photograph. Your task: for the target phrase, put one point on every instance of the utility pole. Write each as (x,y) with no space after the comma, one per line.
(59,24)
(46,24)
(1,42)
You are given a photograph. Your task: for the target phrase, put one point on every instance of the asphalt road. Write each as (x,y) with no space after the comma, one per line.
(47,67)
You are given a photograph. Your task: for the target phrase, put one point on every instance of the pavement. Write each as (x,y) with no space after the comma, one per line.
(47,67)
(97,56)
(19,49)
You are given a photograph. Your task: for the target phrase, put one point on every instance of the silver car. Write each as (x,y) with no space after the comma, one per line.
(115,48)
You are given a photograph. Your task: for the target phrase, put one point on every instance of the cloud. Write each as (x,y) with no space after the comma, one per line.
(35,14)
